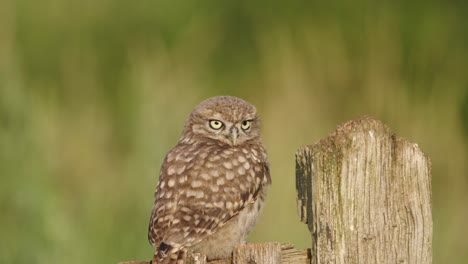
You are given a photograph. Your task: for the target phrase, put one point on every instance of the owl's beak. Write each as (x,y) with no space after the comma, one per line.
(234,135)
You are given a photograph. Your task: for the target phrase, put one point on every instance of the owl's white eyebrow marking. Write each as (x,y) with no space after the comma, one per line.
(217,116)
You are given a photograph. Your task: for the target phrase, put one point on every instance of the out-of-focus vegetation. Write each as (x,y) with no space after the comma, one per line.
(94,93)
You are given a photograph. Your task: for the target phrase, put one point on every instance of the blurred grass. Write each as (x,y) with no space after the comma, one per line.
(94,93)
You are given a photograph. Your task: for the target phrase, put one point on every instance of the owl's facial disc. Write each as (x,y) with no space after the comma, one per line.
(231,134)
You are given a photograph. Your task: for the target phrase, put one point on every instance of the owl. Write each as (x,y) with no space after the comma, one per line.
(212,184)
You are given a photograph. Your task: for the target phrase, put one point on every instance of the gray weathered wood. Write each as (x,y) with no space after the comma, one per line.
(291,255)
(366,196)
(260,253)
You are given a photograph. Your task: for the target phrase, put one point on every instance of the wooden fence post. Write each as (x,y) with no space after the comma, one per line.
(365,195)
(253,253)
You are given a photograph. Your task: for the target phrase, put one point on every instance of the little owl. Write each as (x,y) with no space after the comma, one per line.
(212,184)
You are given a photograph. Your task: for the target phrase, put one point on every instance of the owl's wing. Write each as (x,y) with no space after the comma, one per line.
(187,211)
(158,222)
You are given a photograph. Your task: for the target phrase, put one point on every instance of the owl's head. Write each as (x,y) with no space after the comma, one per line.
(226,119)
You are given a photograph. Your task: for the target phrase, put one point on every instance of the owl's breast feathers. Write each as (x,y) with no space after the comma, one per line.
(202,187)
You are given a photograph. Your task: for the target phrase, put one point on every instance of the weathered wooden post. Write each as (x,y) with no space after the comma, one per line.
(365,195)
(254,253)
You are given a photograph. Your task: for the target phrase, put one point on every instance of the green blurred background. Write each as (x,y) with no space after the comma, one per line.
(94,93)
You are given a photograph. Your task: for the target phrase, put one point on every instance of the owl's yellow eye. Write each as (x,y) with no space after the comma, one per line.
(245,124)
(216,124)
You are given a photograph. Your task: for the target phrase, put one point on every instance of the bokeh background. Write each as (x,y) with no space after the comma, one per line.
(93,93)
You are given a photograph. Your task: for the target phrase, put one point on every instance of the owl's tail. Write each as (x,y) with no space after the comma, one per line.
(166,254)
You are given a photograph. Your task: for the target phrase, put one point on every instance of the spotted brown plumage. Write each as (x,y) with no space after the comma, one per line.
(212,184)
